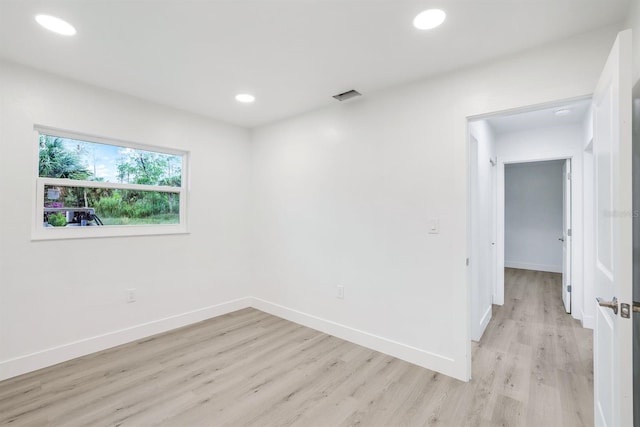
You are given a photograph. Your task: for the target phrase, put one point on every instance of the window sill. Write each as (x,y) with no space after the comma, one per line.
(94,232)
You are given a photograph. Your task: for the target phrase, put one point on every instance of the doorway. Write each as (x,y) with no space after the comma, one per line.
(601,162)
(537,212)
(558,132)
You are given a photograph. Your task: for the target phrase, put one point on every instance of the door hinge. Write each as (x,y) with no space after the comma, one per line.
(569,176)
(569,232)
(467,261)
(568,288)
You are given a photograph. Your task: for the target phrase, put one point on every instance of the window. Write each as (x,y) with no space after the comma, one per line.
(92,187)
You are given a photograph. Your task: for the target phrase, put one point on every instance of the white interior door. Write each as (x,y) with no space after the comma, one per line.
(612,347)
(566,235)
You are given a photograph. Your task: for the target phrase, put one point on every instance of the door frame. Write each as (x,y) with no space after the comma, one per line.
(577,201)
(567,239)
(476,244)
(500,201)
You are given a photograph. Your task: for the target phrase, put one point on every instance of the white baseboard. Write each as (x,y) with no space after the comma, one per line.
(588,322)
(533,266)
(51,356)
(402,351)
(476,334)
(486,318)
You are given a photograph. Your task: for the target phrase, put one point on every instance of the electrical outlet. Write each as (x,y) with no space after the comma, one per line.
(340,294)
(131,295)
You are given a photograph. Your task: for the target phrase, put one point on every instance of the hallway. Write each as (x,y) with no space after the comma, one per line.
(535,361)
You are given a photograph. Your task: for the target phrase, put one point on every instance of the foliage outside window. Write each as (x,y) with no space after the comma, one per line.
(94,187)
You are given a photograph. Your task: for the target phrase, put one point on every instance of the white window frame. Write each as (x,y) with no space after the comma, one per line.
(40,232)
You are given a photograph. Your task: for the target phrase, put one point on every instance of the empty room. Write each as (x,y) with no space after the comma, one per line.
(300,213)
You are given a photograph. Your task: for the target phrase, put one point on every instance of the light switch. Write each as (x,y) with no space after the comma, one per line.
(433,226)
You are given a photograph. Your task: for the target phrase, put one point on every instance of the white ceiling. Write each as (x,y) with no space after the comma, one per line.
(292,54)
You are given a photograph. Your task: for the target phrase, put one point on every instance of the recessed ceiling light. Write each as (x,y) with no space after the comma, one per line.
(56,25)
(562,112)
(429,19)
(245,97)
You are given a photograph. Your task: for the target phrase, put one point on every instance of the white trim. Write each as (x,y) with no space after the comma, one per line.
(469,270)
(486,318)
(63,133)
(426,359)
(588,321)
(529,108)
(533,266)
(500,202)
(65,182)
(510,161)
(64,233)
(54,355)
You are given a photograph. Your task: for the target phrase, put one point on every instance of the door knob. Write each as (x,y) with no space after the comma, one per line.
(561,239)
(613,304)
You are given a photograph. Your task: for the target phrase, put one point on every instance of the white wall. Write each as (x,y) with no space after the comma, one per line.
(61,299)
(343,196)
(482,255)
(533,204)
(550,143)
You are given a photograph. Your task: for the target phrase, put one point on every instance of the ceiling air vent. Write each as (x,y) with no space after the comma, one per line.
(347,95)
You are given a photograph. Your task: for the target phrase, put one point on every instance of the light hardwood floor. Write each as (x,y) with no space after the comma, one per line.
(532,367)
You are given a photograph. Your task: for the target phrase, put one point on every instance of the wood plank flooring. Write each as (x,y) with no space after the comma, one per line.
(533,367)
